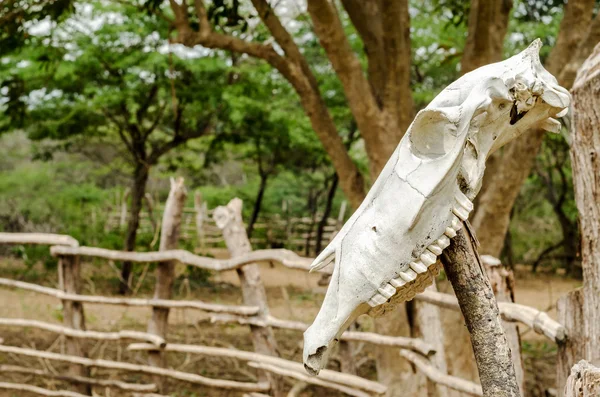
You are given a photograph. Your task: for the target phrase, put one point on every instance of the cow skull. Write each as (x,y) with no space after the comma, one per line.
(387,251)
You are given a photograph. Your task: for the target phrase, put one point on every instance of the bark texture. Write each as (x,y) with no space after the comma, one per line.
(229,220)
(570,314)
(508,169)
(482,317)
(165,272)
(502,281)
(140,178)
(585,152)
(73,317)
(488,22)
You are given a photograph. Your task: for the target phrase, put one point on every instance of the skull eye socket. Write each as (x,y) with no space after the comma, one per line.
(432,134)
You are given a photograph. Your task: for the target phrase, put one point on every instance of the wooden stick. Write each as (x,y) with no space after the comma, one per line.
(439,377)
(39,390)
(38,238)
(569,309)
(328,375)
(172,304)
(539,321)
(83,334)
(146,369)
(78,379)
(283,256)
(308,379)
(417,345)
(73,316)
(229,220)
(165,271)
(482,316)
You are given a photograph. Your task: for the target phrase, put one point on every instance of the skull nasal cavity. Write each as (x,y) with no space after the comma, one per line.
(374,228)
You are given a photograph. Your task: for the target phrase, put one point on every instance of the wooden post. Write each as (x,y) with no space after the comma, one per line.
(570,315)
(502,281)
(585,154)
(165,271)
(429,325)
(482,317)
(69,273)
(200,214)
(584,381)
(229,220)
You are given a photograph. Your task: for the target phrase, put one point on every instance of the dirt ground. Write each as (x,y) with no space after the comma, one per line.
(292,294)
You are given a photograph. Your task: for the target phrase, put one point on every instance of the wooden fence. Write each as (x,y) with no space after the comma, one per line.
(198,227)
(253,313)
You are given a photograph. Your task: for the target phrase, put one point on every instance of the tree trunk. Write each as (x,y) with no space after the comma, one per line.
(257,203)
(229,220)
(570,314)
(165,272)
(488,22)
(508,169)
(140,178)
(73,316)
(585,152)
(326,213)
(482,317)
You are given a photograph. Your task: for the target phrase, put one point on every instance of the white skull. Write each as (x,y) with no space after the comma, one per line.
(387,251)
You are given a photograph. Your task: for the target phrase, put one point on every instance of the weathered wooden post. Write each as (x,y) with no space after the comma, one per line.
(482,316)
(165,271)
(584,381)
(570,315)
(199,207)
(585,153)
(69,273)
(229,220)
(417,211)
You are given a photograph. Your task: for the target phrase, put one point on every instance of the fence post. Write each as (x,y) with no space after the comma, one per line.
(584,381)
(200,214)
(429,323)
(123,217)
(229,220)
(571,316)
(69,273)
(502,280)
(165,271)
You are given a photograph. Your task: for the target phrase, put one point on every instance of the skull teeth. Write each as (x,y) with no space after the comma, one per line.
(450,232)
(461,213)
(436,249)
(429,257)
(387,291)
(408,275)
(418,267)
(443,242)
(456,224)
(397,282)
(464,201)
